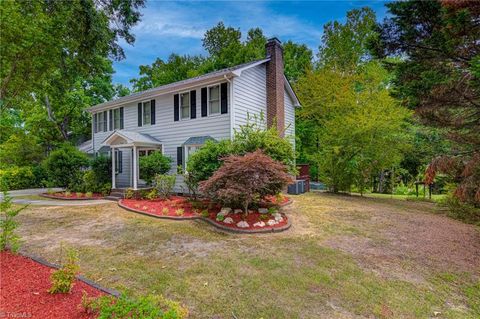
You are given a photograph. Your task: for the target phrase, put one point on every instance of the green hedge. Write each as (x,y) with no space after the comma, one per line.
(21,177)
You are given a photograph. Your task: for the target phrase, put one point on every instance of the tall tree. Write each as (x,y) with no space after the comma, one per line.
(344,46)
(297,59)
(439,77)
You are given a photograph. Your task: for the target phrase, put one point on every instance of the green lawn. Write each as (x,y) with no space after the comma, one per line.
(344,257)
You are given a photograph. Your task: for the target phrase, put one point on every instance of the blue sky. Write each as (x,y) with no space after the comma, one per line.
(178,27)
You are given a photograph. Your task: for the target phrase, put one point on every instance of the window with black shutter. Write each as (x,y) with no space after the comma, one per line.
(121,118)
(139,113)
(204,102)
(105,128)
(224,98)
(110,122)
(193,104)
(180,156)
(176,108)
(152,112)
(95,123)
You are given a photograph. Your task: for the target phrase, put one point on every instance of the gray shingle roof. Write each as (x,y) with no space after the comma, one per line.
(134,137)
(198,140)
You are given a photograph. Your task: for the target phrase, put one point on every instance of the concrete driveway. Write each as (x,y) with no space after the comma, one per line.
(48,202)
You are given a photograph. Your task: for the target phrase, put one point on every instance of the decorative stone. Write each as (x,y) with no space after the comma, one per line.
(242,224)
(277,215)
(228,220)
(263,210)
(279,219)
(271,222)
(259,224)
(238,211)
(225,210)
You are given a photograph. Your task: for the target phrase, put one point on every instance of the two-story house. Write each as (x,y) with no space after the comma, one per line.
(178,118)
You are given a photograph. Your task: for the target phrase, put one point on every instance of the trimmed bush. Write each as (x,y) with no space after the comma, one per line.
(102,167)
(17,178)
(205,161)
(64,165)
(243,179)
(153,164)
(164,184)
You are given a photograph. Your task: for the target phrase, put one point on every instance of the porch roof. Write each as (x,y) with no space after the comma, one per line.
(129,139)
(198,140)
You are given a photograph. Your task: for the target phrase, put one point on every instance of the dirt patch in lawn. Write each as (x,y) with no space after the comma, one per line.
(401,243)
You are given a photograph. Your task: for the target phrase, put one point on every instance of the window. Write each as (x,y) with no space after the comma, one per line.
(102,121)
(147,113)
(116,119)
(189,150)
(118,162)
(214,99)
(185,105)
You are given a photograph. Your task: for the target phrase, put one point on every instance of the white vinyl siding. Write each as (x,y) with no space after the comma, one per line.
(289,119)
(249,95)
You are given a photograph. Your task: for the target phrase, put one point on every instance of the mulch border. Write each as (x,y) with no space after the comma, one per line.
(83,279)
(213,223)
(66,198)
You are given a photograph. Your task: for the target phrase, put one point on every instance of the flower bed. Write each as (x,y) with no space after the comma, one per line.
(24,292)
(176,207)
(72,196)
(253,222)
(180,208)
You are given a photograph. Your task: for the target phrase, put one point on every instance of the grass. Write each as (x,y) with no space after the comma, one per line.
(301,273)
(435,197)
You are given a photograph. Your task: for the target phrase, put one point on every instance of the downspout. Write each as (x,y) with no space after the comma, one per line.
(232,116)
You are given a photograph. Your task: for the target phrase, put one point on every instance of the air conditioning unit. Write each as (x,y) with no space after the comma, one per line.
(298,187)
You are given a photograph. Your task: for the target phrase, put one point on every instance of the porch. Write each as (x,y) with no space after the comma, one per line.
(126,147)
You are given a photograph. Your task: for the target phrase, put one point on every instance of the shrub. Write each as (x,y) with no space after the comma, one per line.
(205,161)
(152,194)
(8,224)
(180,212)
(125,306)
(460,210)
(153,164)
(64,164)
(102,168)
(164,184)
(165,210)
(89,194)
(106,188)
(63,279)
(190,179)
(242,179)
(130,193)
(17,178)
(249,138)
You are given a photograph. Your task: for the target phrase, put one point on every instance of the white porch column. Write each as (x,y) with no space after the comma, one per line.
(135,170)
(113,167)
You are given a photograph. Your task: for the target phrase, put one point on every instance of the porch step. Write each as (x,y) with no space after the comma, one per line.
(113,198)
(116,194)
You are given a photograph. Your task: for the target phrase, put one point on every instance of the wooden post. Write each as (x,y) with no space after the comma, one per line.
(416,188)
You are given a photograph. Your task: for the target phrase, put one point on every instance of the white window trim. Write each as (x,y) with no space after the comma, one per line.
(143,112)
(219,99)
(189,106)
(185,154)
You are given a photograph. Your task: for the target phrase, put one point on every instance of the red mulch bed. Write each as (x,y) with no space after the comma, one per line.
(73,195)
(163,208)
(168,209)
(24,291)
(251,219)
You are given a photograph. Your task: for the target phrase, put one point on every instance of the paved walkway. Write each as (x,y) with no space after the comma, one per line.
(48,202)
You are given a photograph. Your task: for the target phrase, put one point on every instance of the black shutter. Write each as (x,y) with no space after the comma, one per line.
(120,162)
(95,123)
(110,113)
(152,113)
(176,110)
(139,114)
(121,118)
(204,102)
(180,156)
(224,98)
(193,104)
(105,119)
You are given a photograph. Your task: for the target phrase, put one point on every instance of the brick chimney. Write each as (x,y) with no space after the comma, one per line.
(275,85)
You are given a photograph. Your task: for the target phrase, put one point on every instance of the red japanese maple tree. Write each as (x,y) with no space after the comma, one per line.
(244,179)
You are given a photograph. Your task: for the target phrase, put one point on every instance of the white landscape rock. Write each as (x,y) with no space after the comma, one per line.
(278,217)
(225,211)
(238,211)
(228,220)
(263,210)
(271,222)
(242,224)
(259,224)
